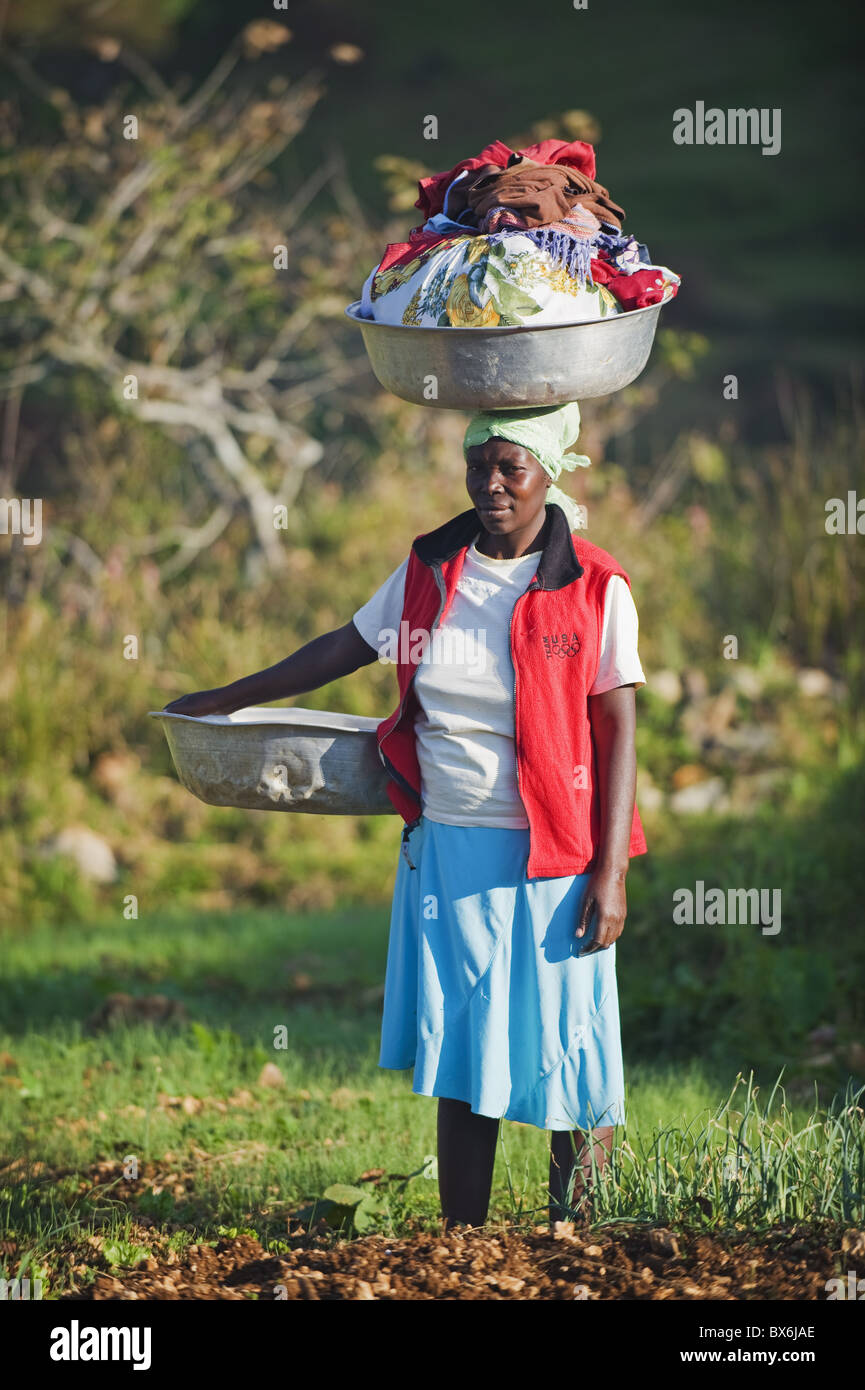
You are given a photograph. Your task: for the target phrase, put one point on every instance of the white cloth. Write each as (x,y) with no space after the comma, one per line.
(465,684)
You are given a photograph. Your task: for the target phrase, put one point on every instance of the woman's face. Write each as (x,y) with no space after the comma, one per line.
(507,485)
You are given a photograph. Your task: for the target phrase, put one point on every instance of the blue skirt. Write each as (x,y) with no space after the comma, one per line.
(485,993)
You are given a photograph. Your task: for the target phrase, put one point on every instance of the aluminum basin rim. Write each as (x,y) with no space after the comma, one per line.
(289,728)
(492,333)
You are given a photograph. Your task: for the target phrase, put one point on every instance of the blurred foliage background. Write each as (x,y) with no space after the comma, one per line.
(152,259)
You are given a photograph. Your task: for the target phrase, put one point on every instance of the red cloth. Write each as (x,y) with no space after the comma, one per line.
(603,272)
(637,290)
(575,153)
(555,636)
(418,241)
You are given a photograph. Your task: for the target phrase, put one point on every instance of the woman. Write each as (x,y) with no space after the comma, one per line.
(511,760)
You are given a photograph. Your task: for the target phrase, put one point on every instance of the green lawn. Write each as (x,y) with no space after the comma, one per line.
(216,1148)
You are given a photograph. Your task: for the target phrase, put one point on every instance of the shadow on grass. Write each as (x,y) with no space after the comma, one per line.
(249,972)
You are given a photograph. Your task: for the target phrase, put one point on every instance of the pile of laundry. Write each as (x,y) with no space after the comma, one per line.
(513,238)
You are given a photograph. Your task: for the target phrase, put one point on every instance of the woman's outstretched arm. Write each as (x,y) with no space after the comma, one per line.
(321,661)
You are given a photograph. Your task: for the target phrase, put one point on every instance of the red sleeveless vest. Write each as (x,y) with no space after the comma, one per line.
(555,646)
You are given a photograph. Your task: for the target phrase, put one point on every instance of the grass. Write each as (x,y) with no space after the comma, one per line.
(749,1163)
(140,1140)
(143,1139)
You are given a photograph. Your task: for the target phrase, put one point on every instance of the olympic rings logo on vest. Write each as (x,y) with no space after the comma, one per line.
(560,644)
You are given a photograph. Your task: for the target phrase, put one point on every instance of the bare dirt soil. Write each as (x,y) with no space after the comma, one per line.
(621,1262)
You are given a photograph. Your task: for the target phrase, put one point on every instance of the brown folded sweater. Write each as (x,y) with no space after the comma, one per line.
(539,193)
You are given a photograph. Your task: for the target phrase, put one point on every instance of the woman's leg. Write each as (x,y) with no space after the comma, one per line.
(570,1155)
(466,1158)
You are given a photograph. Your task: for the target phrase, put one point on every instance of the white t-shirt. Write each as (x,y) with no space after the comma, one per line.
(465,684)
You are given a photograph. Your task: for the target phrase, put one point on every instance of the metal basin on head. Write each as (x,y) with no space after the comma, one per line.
(508,368)
(296,759)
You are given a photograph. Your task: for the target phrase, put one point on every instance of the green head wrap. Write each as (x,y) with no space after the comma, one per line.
(546,432)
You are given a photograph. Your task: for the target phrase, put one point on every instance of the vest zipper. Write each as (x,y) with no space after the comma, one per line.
(517,744)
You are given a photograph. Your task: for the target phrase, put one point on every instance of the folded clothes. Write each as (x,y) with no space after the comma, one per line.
(624,250)
(570,241)
(576,154)
(495,281)
(538,193)
(513,236)
(638,289)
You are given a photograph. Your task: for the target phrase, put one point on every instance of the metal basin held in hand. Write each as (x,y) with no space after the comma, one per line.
(509,368)
(280,760)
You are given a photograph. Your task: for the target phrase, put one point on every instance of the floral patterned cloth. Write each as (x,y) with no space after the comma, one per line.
(497,281)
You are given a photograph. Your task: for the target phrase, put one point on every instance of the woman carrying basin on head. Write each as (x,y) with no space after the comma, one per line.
(511,760)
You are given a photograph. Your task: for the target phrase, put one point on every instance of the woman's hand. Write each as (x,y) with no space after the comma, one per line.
(203,702)
(605,894)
